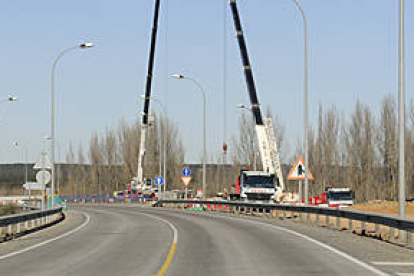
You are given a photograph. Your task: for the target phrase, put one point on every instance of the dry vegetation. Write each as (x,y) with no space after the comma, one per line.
(112,158)
(385,207)
(359,152)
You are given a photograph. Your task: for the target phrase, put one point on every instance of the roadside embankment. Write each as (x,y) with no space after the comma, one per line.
(384,207)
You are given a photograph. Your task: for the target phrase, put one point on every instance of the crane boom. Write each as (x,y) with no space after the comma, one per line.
(248,73)
(148,86)
(264,127)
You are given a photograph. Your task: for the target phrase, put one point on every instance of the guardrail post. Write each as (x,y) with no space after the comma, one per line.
(362,227)
(26,224)
(18,228)
(327,221)
(409,238)
(307,218)
(338,223)
(9,229)
(277,213)
(317,219)
(284,214)
(377,228)
(392,234)
(402,235)
(300,216)
(264,212)
(350,224)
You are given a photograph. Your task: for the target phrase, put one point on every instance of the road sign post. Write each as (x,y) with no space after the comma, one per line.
(186,171)
(298,172)
(186,180)
(159,181)
(43,176)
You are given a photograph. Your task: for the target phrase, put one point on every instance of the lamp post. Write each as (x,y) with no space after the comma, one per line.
(306,98)
(59,157)
(177,76)
(164,134)
(52,137)
(243,106)
(17,145)
(401,113)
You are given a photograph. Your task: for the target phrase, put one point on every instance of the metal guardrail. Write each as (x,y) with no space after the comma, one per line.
(30,221)
(311,214)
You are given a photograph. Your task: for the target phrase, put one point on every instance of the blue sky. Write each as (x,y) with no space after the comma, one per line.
(353,55)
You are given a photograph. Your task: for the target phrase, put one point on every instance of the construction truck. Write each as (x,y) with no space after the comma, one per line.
(334,197)
(269,183)
(256,186)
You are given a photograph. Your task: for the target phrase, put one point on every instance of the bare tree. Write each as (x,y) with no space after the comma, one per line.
(387,147)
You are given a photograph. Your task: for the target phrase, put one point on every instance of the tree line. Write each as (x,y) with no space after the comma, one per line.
(359,152)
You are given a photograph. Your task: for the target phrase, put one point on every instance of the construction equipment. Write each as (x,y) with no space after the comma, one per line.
(264,127)
(138,182)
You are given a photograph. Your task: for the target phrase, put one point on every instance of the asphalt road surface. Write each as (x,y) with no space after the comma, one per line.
(149,241)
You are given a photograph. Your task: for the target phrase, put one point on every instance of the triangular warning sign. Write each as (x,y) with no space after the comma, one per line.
(186,180)
(298,171)
(43,162)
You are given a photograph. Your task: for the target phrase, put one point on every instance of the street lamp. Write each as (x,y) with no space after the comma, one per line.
(164,137)
(60,158)
(52,137)
(9,99)
(243,106)
(177,76)
(306,98)
(401,113)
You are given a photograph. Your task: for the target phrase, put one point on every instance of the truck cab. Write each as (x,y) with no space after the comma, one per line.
(339,197)
(257,186)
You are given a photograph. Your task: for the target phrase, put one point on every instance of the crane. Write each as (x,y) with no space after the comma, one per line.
(264,128)
(139,181)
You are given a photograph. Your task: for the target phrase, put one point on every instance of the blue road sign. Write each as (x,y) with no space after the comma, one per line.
(186,171)
(159,180)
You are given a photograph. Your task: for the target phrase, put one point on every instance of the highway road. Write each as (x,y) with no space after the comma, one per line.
(149,241)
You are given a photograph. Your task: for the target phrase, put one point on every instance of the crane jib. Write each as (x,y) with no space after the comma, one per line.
(151,63)
(246,65)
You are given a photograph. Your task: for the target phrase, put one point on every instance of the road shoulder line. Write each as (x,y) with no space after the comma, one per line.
(47,241)
(170,256)
(321,244)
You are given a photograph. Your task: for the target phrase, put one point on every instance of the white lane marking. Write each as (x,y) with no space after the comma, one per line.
(47,241)
(328,247)
(405,274)
(393,263)
(175,231)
